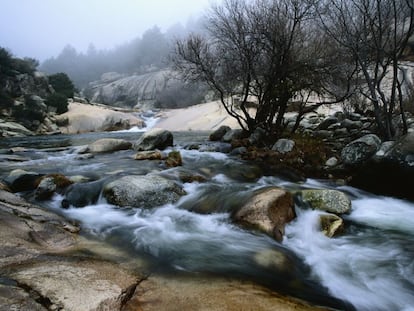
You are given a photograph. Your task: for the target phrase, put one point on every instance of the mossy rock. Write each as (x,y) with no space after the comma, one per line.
(328,200)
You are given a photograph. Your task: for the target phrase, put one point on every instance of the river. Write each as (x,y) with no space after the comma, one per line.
(369,267)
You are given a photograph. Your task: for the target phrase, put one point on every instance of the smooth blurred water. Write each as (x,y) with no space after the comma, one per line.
(369,267)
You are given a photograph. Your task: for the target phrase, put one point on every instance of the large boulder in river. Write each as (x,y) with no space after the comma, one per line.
(82,194)
(328,200)
(20,180)
(360,150)
(142,191)
(154,139)
(269,210)
(108,145)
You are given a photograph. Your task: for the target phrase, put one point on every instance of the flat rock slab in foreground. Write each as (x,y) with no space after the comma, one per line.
(77,285)
(190,294)
(37,271)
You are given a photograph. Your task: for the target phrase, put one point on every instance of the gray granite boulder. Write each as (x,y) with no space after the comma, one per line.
(142,191)
(328,200)
(360,150)
(154,139)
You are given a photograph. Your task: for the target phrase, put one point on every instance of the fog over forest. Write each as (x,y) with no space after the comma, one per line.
(87,38)
(147,53)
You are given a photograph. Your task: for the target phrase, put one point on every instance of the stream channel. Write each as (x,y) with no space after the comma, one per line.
(369,267)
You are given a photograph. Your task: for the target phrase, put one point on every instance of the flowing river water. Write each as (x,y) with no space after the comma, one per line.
(369,267)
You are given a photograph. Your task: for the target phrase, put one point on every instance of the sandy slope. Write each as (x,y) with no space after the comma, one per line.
(210,116)
(202,117)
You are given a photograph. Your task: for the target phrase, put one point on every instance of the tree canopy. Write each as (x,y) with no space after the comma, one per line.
(62,84)
(277,52)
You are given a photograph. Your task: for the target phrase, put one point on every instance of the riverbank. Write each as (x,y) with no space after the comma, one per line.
(47,265)
(184,248)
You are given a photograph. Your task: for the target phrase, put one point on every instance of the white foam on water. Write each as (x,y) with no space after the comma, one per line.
(372,272)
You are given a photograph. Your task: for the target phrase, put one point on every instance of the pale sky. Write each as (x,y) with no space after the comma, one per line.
(41,28)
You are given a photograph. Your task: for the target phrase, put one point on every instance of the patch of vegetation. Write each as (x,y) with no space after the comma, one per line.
(6,101)
(11,66)
(59,101)
(62,84)
(307,158)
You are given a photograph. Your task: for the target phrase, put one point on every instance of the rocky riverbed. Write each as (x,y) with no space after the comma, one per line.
(46,265)
(170,220)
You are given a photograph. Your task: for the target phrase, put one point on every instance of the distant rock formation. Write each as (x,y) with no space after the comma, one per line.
(162,88)
(136,90)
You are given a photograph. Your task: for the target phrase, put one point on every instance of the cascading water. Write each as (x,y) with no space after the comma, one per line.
(370,266)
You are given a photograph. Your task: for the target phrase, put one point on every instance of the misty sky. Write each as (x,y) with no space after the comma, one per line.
(41,28)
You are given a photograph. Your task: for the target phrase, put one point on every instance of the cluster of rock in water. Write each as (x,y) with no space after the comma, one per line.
(268,209)
(276,206)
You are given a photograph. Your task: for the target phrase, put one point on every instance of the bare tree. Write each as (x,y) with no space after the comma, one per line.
(262,49)
(375,34)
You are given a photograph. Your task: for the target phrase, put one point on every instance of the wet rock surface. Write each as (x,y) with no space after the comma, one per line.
(269,210)
(46,265)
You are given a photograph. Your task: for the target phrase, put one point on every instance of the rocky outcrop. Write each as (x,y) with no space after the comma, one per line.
(142,191)
(328,200)
(83,118)
(78,286)
(108,145)
(154,139)
(269,210)
(41,270)
(136,90)
(13,129)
